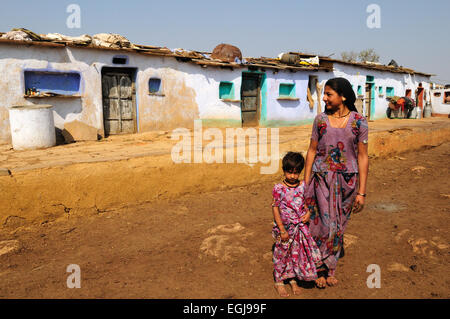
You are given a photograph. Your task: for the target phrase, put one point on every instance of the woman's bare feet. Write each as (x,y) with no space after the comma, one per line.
(281,289)
(321,282)
(332,281)
(295,288)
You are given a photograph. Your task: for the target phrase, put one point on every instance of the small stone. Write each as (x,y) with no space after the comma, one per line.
(4,172)
(349,240)
(79,131)
(418,168)
(398,267)
(413,267)
(9,247)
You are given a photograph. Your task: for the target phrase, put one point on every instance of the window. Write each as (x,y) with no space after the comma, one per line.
(287,90)
(312,90)
(44,83)
(380,90)
(389,91)
(154,85)
(226,90)
(120,59)
(369,78)
(360,92)
(447,97)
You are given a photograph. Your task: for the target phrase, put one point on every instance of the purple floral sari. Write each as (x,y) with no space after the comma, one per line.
(332,190)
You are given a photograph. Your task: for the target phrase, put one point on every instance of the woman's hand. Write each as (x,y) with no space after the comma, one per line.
(358,205)
(305,218)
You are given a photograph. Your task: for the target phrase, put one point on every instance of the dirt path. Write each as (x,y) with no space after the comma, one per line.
(218,244)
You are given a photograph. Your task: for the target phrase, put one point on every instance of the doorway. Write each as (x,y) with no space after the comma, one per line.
(251,98)
(370,100)
(119,100)
(313,92)
(420,97)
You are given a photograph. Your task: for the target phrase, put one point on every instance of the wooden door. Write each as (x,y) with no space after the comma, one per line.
(420,97)
(250,99)
(369,99)
(118,103)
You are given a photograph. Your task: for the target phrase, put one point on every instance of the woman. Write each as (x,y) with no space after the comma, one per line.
(336,171)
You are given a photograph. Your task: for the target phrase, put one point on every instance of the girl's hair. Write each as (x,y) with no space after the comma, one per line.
(343,88)
(293,161)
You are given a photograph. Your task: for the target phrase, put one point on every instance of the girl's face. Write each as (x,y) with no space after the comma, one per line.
(291,177)
(332,99)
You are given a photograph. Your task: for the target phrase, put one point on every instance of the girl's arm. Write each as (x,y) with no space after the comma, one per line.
(277,218)
(310,160)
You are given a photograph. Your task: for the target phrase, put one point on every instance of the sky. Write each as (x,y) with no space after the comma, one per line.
(413,33)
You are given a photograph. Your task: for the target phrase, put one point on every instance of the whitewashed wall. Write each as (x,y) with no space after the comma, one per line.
(399,81)
(190,91)
(438,106)
(287,112)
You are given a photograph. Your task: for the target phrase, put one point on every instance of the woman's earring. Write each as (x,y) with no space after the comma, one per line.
(343,99)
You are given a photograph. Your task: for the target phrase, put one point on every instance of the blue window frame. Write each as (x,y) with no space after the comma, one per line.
(287,90)
(226,90)
(154,85)
(360,91)
(390,91)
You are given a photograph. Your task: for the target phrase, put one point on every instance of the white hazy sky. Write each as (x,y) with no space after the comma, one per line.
(413,33)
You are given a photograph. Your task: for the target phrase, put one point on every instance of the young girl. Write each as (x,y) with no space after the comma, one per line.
(295,253)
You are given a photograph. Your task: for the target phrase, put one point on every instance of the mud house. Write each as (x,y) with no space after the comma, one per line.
(103,88)
(440,101)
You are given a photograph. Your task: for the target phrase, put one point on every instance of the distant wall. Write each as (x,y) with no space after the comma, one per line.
(438,107)
(357,76)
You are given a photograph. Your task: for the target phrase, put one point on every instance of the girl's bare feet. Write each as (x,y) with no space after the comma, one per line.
(295,288)
(321,282)
(281,289)
(332,281)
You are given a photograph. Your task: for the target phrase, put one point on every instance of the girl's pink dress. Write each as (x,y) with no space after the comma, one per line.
(298,257)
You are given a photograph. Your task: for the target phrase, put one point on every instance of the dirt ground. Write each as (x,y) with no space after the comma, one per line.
(218,244)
